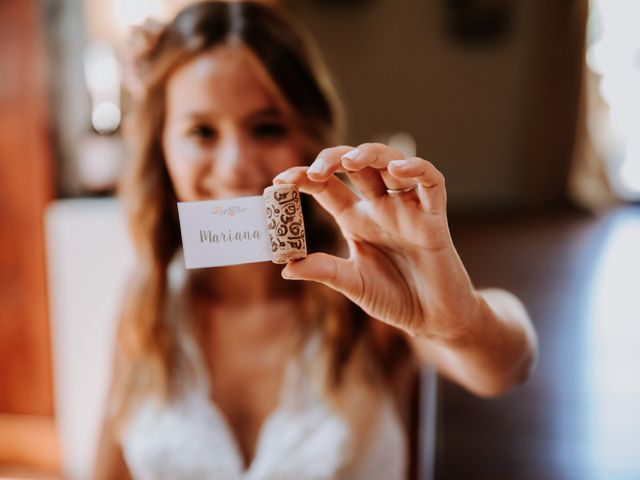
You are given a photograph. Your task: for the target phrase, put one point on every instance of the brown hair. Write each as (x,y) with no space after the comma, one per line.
(149,350)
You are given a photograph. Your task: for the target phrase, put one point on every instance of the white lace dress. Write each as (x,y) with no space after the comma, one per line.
(301,439)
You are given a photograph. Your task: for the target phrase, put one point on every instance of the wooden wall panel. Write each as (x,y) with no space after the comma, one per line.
(25,188)
(552,107)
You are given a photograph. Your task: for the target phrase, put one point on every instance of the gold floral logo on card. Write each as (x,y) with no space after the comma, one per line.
(231,211)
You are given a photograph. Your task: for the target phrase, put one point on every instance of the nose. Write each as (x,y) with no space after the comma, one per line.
(235,169)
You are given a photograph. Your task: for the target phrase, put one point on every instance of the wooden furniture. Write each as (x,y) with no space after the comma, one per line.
(27,429)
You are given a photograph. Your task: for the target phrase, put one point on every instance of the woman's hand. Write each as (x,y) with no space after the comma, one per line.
(402,268)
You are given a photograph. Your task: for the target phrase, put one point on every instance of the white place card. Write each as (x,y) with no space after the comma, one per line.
(217,233)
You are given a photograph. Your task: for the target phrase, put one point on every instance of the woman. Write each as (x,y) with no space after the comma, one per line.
(238,372)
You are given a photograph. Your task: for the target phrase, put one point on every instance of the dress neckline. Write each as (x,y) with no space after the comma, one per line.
(294,388)
(234,442)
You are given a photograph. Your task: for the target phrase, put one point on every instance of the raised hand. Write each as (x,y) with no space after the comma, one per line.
(402,267)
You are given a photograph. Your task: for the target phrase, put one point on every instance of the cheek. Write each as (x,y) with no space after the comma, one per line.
(184,163)
(285,156)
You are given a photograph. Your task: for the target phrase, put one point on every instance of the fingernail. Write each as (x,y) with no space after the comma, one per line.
(353,154)
(317,166)
(282,177)
(285,274)
(398,163)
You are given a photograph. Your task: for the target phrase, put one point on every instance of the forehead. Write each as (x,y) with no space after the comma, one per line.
(224,81)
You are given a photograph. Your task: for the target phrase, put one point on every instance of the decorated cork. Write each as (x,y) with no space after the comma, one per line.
(284,222)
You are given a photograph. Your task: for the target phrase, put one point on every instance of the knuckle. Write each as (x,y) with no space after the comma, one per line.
(332,154)
(325,151)
(370,146)
(437,174)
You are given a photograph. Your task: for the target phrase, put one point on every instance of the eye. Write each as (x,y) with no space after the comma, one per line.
(269,130)
(202,132)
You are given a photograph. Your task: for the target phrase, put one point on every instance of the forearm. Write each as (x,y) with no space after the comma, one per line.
(495,351)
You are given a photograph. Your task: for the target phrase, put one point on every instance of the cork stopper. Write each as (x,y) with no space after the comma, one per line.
(285,223)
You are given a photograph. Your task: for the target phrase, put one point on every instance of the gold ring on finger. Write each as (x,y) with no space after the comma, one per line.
(398,191)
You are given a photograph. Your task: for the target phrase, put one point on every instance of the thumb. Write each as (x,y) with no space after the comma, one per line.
(337,273)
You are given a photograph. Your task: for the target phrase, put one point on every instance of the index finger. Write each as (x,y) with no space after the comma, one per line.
(375,155)
(327,163)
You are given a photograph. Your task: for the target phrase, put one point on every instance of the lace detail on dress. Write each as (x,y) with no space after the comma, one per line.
(191,439)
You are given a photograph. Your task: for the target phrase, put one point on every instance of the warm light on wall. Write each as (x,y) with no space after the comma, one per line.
(615,56)
(630,168)
(129,12)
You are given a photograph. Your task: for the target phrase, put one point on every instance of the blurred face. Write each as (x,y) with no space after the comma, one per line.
(224,134)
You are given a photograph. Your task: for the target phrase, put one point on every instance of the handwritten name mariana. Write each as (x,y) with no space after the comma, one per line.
(230,236)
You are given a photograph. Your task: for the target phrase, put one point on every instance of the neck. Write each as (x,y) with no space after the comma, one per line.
(243,285)
(248,302)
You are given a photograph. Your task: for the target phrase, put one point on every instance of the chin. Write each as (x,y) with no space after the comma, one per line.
(239,192)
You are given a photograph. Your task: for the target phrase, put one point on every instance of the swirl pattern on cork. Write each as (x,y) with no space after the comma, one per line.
(285,223)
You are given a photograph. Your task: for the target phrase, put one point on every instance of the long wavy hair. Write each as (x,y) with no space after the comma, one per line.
(149,351)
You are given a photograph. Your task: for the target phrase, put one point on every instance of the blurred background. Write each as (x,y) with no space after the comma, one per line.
(531,109)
